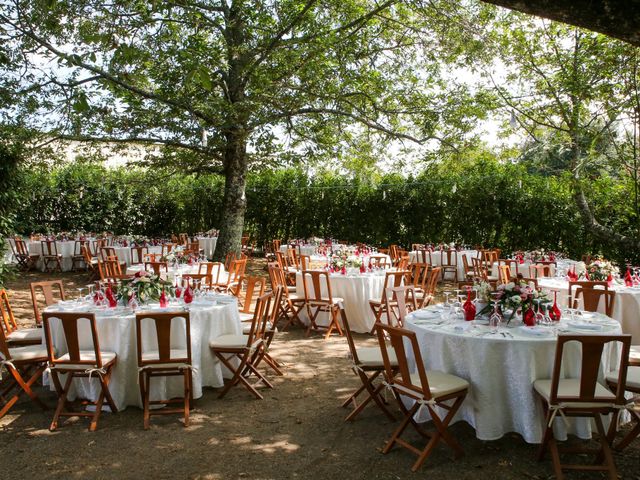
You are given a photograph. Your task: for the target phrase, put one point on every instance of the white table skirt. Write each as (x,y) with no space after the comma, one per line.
(208,244)
(501,371)
(626,305)
(436,259)
(118,334)
(181,271)
(124,253)
(356,290)
(301,249)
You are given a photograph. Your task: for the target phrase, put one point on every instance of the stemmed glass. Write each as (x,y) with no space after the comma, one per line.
(495,319)
(80,295)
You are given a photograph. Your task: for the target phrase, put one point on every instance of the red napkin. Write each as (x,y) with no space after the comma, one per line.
(628,280)
(188,295)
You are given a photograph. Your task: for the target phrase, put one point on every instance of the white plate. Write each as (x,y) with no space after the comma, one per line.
(426,314)
(577,325)
(536,331)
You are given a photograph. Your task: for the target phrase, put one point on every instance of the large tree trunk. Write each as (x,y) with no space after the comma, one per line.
(235,202)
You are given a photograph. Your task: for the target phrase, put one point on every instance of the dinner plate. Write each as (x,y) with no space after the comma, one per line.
(536,331)
(576,325)
(426,314)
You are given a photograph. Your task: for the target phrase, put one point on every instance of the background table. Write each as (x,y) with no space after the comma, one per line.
(501,371)
(626,305)
(179,271)
(124,253)
(301,249)
(356,290)
(117,333)
(436,259)
(65,248)
(208,244)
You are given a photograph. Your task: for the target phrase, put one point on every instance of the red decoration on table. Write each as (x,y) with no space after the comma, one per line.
(178,292)
(362,268)
(344,270)
(111,298)
(610,281)
(529,317)
(628,279)
(469,307)
(188,295)
(555,312)
(163,300)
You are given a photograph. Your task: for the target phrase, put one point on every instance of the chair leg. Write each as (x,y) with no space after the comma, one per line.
(62,400)
(630,437)
(146,416)
(606,449)
(187,395)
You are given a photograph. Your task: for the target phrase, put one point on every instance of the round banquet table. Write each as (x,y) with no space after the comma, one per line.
(356,290)
(626,305)
(501,368)
(65,248)
(523,268)
(124,253)
(208,244)
(301,249)
(210,317)
(436,259)
(179,271)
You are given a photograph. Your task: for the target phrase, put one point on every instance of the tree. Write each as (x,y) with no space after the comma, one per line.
(235,83)
(569,82)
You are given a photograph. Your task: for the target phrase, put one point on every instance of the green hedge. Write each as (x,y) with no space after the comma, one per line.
(487,203)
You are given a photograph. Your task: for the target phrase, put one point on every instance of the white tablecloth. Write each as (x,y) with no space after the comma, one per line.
(117,333)
(180,271)
(301,249)
(208,244)
(8,254)
(437,256)
(501,371)
(524,268)
(626,305)
(124,253)
(356,290)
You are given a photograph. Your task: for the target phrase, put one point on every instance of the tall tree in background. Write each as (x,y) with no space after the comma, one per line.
(234,82)
(571,87)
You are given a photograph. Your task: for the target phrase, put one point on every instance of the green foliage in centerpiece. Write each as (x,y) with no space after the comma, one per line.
(600,270)
(146,286)
(516,296)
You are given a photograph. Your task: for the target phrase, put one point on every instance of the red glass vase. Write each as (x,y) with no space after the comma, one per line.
(529,317)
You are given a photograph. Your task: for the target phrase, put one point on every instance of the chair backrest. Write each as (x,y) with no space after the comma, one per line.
(405,346)
(275,245)
(6,312)
(590,353)
(465,264)
(236,270)
(78,245)
(113,267)
(403,261)
(281,259)
(197,280)
(419,273)
(166,344)
(5,353)
(424,256)
(228,259)
(479,269)
(313,282)
(432,282)
(167,248)
(449,258)
(591,299)
(106,252)
(304,261)
(156,267)
(292,258)
(350,340)
(194,247)
(396,300)
(138,255)
(584,284)
(71,322)
(504,272)
(211,268)
(98,245)
(49,248)
(47,291)
(248,289)
(540,270)
(183,238)
(261,316)
(379,261)
(86,254)
(393,279)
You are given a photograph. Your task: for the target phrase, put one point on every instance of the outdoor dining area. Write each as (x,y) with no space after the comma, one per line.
(530,343)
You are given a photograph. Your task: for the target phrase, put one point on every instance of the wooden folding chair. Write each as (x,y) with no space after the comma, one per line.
(78,362)
(428,389)
(167,248)
(368,365)
(165,361)
(583,396)
(78,257)
(25,366)
(318,301)
(270,333)
(468,271)
(14,335)
(47,290)
(584,284)
(391,279)
(138,255)
(399,301)
(591,298)
(156,267)
(212,269)
(235,272)
(291,303)
(50,255)
(504,274)
(426,294)
(90,262)
(379,261)
(237,352)
(449,263)
(26,260)
(247,291)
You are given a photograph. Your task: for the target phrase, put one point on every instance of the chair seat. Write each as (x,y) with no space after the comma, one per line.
(246,329)
(294,297)
(441,384)
(372,357)
(29,353)
(291,289)
(633,378)
(229,341)
(86,355)
(634,354)
(178,353)
(491,278)
(25,335)
(325,301)
(246,317)
(570,387)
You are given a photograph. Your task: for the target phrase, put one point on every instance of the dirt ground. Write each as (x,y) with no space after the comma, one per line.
(297,431)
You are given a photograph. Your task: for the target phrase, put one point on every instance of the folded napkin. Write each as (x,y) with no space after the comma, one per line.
(536,331)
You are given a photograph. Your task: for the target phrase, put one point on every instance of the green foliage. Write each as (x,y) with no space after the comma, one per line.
(483,202)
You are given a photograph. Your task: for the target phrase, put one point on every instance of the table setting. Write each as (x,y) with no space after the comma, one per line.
(211,315)
(501,360)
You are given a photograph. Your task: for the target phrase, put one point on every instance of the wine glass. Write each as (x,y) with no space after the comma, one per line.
(495,319)
(80,295)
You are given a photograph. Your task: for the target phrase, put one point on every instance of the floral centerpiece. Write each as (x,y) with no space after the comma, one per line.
(542,255)
(600,270)
(483,291)
(147,287)
(344,260)
(178,256)
(516,296)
